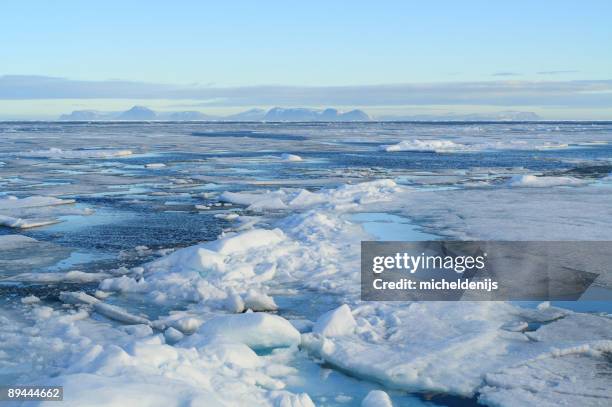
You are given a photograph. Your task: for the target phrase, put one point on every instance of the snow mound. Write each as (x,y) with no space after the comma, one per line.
(433,146)
(256,330)
(336,322)
(544,182)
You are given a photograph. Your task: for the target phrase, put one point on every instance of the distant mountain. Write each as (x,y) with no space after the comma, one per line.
(252,115)
(475,117)
(275,114)
(86,115)
(185,116)
(279,114)
(138,113)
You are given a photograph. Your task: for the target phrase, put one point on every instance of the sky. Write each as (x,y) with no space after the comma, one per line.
(386,57)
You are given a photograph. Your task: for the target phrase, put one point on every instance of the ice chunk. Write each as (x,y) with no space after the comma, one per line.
(258,301)
(173,335)
(376,398)
(138,330)
(256,330)
(108,310)
(544,182)
(290,157)
(336,322)
(234,303)
(30,299)
(187,325)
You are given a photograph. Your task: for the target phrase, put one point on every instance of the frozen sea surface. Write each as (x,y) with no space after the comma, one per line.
(129,252)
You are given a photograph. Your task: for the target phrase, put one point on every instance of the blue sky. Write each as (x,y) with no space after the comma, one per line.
(243,44)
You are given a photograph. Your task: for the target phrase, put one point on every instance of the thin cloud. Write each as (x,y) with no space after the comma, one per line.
(591,93)
(556,72)
(506,74)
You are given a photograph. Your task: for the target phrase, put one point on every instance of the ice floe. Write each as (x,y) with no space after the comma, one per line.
(35,211)
(434,146)
(84,153)
(450,347)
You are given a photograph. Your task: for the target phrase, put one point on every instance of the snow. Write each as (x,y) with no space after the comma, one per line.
(336,322)
(436,146)
(544,182)
(376,398)
(254,329)
(134,366)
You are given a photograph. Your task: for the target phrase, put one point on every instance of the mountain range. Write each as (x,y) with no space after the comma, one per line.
(141,113)
(280,114)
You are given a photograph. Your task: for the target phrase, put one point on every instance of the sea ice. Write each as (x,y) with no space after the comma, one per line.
(449,347)
(60,153)
(435,146)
